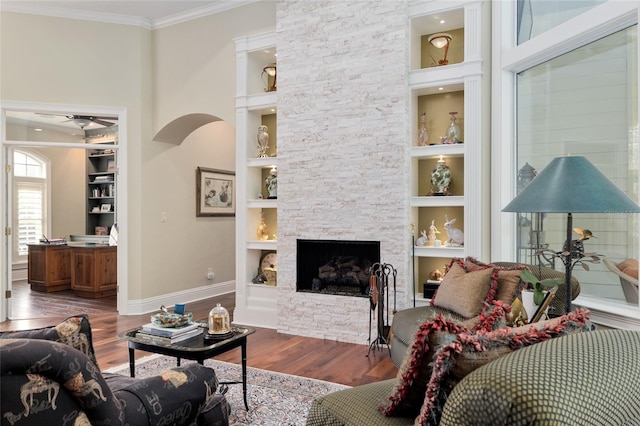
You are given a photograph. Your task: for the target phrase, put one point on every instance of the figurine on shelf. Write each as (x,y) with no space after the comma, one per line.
(263,141)
(423,135)
(423,239)
(441,178)
(455,236)
(432,234)
(435,275)
(259,279)
(271,183)
(453,132)
(263,230)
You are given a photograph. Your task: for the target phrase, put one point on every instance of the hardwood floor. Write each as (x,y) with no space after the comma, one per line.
(267,349)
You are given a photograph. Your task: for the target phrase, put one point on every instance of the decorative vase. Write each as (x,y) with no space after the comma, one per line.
(441,178)
(423,135)
(271,183)
(518,315)
(263,229)
(453,132)
(263,141)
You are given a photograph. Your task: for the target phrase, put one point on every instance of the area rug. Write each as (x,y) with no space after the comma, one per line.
(275,399)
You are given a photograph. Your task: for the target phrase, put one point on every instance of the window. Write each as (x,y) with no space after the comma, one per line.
(585,103)
(537,16)
(29,201)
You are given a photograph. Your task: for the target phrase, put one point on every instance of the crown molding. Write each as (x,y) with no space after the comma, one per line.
(60,12)
(112,18)
(199,12)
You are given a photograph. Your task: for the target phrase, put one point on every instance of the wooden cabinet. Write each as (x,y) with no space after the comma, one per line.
(48,268)
(94,271)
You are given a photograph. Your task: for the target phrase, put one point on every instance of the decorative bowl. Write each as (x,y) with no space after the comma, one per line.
(170,319)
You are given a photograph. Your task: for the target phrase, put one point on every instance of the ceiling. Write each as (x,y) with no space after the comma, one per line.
(150,14)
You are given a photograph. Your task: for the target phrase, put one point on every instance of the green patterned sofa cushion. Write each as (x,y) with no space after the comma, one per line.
(469,351)
(585,378)
(354,407)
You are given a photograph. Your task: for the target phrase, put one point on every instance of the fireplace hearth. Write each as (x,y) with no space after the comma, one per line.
(335,266)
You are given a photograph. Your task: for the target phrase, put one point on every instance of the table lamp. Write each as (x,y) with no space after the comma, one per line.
(571,184)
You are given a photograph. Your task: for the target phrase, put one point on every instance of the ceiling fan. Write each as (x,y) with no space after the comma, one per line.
(84,120)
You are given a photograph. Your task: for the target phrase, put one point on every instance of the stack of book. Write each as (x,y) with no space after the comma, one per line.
(160,334)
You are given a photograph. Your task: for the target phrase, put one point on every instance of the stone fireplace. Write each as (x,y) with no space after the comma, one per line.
(343,151)
(335,267)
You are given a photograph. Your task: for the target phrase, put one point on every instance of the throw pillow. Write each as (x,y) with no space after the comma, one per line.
(75,331)
(509,284)
(465,292)
(414,373)
(467,352)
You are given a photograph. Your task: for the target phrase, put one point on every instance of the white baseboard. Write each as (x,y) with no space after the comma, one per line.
(143,306)
(19,273)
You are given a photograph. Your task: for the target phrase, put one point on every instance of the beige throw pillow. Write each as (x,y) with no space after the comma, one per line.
(464,292)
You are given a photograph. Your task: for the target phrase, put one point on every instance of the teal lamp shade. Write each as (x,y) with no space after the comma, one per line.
(571,185)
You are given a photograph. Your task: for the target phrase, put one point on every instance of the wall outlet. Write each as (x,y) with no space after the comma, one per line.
(210,274)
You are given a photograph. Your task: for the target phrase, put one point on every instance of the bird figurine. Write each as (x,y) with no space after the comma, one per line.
(263,141)
(585,234)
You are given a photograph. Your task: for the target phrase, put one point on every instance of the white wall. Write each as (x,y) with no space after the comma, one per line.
(194,72)
(157,76)
(65,61)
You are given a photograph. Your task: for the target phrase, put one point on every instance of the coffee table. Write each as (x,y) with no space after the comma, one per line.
(195,348)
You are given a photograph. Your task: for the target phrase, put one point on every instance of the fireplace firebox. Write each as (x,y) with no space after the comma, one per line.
(335,266)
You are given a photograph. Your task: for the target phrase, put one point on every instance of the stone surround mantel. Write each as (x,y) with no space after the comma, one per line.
(343,163)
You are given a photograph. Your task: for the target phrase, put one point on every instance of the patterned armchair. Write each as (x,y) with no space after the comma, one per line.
(51,376)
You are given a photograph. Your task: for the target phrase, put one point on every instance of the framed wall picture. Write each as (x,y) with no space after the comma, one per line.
(215,192)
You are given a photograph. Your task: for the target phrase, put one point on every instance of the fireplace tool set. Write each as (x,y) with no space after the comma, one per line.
(381,274)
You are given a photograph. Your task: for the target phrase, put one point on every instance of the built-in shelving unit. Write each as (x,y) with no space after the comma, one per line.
(461,86)
(101,190)
(255,300)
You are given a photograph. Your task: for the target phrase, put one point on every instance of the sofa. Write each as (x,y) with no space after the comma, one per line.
(441,348)
(51,376)
(578,379)
(406,322)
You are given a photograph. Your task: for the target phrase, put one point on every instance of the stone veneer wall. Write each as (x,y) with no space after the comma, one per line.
(343,161)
